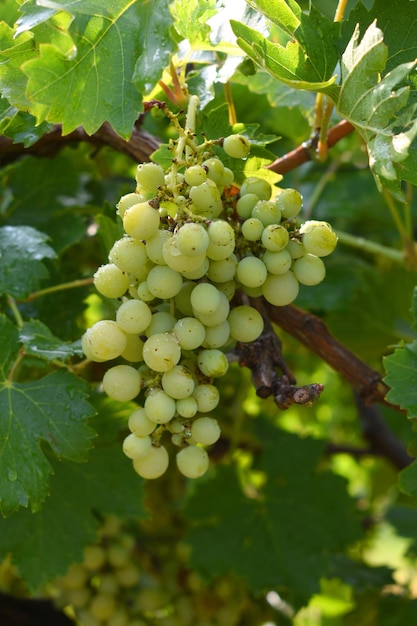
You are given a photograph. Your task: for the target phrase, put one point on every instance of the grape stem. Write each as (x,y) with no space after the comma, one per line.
(15,310)
(73,284)
(369,246)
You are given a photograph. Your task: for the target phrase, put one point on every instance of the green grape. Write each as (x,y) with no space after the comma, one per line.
(245,204)
(183,299)
(192,461)
(281,290)
(118,555)
(252,228)
(135,447)
(215,170)
(309,270)
(192,239)
(199,272)
(318,238)
(217,336)
(212,363)
(140,424)
(75,577)
(128,254)
(267,212)
(159,407)
(228,177)
(141,221)
(127,201)
(222,271)
(122,382)
(102,606)
(128,576)
(275,237)
(164,282)
(195,175)
(218,315)
(236,146)
(205,298)
(110,281)
(142,274)
(178,382)
(149,177)
(143,293)
(187,407)
(219,252)
(277,262)
(246,323)
(153,464)
(206,199)
(251,271)
(290,203)
(258,186)
(221,233)
(94,557)
(86,619)
(103,341)
(180,262)
(133,316)
(228,289)
(78,598)
(162,322)
(189,332)
(205,430)
(155,245)
(134,349)
(119,618)
(296,248)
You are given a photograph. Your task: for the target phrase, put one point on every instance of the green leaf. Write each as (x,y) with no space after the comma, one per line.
(21,251)
(129,34)
(19,125)
(39,341)
(45,543)
(269,539)
(401,377)
(308,60)
(378,111)
(52,410)
(191,19)
(13,53)
(32,14)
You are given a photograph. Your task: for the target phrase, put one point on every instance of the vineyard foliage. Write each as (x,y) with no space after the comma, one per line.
(313,508)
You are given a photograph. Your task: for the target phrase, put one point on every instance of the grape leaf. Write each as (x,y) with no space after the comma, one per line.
(132,35)
(268,540)
(52,409)
(21,251)
(43,544)
(39,341)
(19,125)
(308,60)
(32,14)
(401,377)
(378,111)
(191,19)
(13,53)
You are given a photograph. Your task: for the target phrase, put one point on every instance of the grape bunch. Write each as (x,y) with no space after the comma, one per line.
(194,242)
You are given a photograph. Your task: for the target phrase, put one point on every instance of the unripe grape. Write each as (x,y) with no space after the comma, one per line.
(252,229)
(128,254)
(192,461)
(164,282)
(309,270)
(104,341)
(212,363)
(150,176)
(318,238)
(140,424)
(198,272)
(236,146)
(135,447)
(245,204)
(153,464)
(290,203)
(195,175)
(127,201)
(259,186)
(141,221)
(267,212)
(155,245)
(251,271)
(178,261)
(218,315)
(205,430)
(217,336)
(215,170)
(246,323)
(183,299)
(110,281)
(161,352)
(192,239)
(162,322)
(178,382)
(143,293)
(94,557)
(206,199)
(159,407)
(281,290)
(187,407)
(122,382)
(296,248)
(133,316)
(277,262)
(228,177)
(102,606)
(221,233)
(205,298)
(275,237)
(222,271)
(134,349)
(76,576)
(189,332)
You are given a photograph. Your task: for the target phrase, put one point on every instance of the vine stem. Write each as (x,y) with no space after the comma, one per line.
(15,310)
(365,245)
(81,282)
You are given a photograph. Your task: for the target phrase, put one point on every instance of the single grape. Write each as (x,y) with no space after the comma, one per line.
(236,146)
(228,177)
(212,363)
(161,352)
(221,233)
(127,201)
(281,290)
(155,245)
(246,323)
(94,557)
(159,407)
(102,606)
(189,332)
(135,447)
(192,461)
(149,177)
(134,349)
(309,270)
(251,271)
(183,299)
(195,175)
(252,228)
(318,238)
(205,298)
(198,272)
(218,315)
(222,271)
(110,281)
(275,237)
(143,293)
(277,262)
(133,316)
(187,407)
(140,424)
(245,205)
(104,341)
(141,221)
(296,248)
(215,170)
(192,239)
(206,199)
(128,254)
(205,430)
(258,186)
(178,261)
(153,464)
(217,336)
(267,212)
(289,202)
(164,282)
(178,382)
(162,322)
(122,382)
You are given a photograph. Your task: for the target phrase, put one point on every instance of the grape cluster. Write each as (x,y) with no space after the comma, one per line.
(192,241)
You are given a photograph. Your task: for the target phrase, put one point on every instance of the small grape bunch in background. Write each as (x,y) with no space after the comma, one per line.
(189,248)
